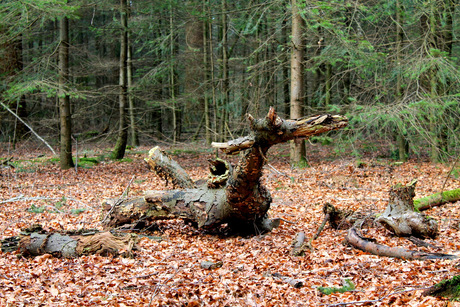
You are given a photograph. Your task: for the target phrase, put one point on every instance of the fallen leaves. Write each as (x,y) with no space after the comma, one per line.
(169,271)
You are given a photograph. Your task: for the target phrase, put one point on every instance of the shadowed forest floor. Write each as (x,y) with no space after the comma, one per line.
(167,272)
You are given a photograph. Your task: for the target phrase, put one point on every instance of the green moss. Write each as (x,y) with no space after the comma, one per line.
(449,288)
(35,209)
(437,199)
(347,286)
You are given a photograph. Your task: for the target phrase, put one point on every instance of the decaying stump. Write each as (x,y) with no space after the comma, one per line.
(400,217)
(234,197)
(34,241)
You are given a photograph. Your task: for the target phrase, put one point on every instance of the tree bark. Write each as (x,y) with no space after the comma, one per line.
(400,217)
(232,196)
(35,241)
(297,80)
(122,139)
(65,155)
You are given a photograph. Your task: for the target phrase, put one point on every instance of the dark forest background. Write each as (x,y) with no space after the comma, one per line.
(140,72)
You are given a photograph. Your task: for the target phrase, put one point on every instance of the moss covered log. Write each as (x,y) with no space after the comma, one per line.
(437,199)
(449,288)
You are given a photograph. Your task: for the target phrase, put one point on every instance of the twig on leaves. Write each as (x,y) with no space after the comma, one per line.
(159,285)
(376,300)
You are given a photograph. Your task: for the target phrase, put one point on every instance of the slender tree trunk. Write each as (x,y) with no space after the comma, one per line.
(225,83)
(297,80)
(64,99)
(207,111)
(403,143)
(120,147)
(132,119)
(172,77)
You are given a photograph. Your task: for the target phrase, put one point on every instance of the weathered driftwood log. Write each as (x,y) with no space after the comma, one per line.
(400,217)
(239,200)
(34,241)
(370,246)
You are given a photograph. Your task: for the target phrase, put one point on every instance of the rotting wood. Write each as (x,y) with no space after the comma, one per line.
(299,247)
(236,197)
(168,169)
(35,241)
(400,217)
(448,288)
(437,199)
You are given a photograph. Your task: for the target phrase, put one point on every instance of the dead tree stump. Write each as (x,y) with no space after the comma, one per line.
(400,217)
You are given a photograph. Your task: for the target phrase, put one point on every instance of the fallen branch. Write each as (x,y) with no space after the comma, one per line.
(367,245)
(30,128)
(373,301)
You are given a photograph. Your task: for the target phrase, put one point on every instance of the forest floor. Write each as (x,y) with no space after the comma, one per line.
(167,272)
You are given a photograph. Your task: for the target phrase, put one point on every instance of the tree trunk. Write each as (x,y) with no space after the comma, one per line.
(65,155)
(400,217)
(297,80)
(134,140)
(122,140)
(231,196)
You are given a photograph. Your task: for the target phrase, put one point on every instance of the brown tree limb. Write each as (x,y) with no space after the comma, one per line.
(367,245)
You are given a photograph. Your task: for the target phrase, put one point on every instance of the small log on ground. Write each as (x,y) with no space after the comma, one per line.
(448,288)
(35,241)
(370,246)
(400,217)
(437,199)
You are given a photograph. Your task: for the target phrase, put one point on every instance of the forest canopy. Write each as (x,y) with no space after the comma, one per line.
(191,70)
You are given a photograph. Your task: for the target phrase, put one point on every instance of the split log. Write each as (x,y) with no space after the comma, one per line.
(240,200)
(437,199)
(34,241)
(401,218)
(370,246)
